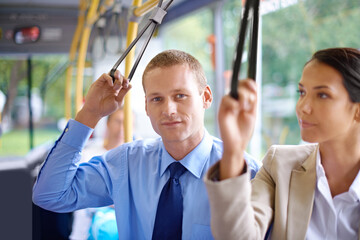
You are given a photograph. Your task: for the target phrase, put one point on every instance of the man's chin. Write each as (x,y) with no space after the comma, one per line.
(172,137)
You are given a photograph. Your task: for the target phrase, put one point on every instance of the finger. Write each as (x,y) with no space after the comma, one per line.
(125,83)
(117,84)
(228,112)
(227,118)
(251,84)
(247,94)
(106,78)
(117,75)
(230,105)
(120,81)
(122,93)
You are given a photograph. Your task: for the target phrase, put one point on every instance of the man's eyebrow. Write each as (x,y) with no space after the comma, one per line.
(173,91)
(179,90)
(152,94)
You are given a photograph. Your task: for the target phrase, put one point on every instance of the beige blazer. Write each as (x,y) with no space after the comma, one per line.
(282,193)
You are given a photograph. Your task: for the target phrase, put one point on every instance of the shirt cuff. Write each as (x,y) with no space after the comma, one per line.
(76,134)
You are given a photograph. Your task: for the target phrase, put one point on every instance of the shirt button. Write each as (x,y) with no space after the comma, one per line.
(66,129)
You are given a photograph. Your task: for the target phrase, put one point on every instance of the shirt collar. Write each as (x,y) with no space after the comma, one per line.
(194,161)
(320,172)
(354,189)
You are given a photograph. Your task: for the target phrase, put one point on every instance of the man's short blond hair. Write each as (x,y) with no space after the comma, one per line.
(173,57)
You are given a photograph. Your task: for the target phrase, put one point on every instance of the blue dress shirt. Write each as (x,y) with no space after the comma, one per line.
(131,177)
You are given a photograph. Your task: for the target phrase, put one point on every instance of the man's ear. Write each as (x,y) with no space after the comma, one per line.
(207,97)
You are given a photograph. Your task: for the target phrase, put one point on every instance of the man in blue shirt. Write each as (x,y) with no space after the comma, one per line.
(133,175)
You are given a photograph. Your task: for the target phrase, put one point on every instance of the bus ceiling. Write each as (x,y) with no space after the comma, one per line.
(47,26)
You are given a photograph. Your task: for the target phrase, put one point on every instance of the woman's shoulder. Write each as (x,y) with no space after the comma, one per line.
(289,156)
(293,149)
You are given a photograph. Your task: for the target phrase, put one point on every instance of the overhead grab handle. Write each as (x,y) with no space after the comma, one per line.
(157,15)
(251,14)
(155,18)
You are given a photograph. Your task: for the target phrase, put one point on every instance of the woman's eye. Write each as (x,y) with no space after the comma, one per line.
(323,95)
(301,92)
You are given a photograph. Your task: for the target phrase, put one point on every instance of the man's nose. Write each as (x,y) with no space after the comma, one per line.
(169,108)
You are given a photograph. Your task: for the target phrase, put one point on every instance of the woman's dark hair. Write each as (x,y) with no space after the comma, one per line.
(347,62)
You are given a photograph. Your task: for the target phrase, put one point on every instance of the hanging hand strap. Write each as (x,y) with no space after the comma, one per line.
(154,20)
(251,14)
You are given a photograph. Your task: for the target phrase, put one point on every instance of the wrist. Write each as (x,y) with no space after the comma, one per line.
(232,165)
(87,118)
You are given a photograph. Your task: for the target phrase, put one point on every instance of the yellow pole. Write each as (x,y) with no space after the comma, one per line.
(92,16)
(103,7)
(72,55)
(145,7)
(82,53)
(131,35)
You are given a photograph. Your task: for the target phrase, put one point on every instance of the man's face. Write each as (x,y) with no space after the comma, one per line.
(175,104)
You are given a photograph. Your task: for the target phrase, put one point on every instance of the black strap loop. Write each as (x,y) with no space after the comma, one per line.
(154,20)
(251,14)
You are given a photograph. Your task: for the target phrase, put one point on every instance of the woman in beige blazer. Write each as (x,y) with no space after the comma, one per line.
(301,192)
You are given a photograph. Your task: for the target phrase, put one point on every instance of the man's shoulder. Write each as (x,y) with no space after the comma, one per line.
(216,140)
(253,164)
(217,143)
(148,144)
(137,151)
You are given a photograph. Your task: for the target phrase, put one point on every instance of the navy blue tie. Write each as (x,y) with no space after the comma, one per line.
(168,221)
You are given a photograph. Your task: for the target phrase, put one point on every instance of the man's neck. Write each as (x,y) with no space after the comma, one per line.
(179,149)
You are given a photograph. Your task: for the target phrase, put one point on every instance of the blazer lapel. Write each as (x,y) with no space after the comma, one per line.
(301,198)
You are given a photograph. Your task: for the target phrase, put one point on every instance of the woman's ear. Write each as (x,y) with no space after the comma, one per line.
(357,114)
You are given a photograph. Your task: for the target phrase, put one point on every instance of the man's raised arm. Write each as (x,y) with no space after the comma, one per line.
(61,186)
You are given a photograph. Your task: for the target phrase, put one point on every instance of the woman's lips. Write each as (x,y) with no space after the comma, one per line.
(305,124)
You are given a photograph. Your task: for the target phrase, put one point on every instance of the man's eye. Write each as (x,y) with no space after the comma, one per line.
(156,99)
(180,95)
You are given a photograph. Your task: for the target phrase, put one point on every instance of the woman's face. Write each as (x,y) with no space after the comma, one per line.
(324,109)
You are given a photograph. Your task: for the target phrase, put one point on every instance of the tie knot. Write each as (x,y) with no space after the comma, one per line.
(176,170)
